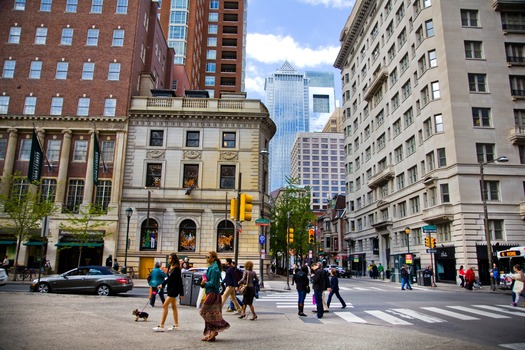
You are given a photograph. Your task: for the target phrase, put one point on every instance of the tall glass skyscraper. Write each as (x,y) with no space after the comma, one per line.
(321,98)
(287,101)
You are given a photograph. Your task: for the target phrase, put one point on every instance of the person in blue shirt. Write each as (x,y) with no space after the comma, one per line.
(156,283)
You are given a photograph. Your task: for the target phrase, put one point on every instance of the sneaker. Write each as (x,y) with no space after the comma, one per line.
(159,329)
(152,306)
(513,304)
(173,328)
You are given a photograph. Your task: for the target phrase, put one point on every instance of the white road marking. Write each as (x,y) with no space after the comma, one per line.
(493,308)
(350,317)
(451,313)
(419,316)
(477,312)
(387,318)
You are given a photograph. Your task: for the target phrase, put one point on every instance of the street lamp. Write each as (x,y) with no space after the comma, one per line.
(407,231)
(129,212)
(502,159)
(264,153)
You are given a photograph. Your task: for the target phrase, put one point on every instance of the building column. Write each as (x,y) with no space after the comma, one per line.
(118,169)
(63,168)
(10,155)
(89,185)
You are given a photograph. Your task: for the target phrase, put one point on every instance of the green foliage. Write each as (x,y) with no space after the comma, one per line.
(291,209)
(85,226)
(23,207)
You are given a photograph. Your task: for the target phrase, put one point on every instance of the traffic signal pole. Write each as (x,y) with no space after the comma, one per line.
(237,221)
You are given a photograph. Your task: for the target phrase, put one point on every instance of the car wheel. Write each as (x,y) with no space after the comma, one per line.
(44,288)
(103,290)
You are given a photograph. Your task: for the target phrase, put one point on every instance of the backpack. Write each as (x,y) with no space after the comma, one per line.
(149,278)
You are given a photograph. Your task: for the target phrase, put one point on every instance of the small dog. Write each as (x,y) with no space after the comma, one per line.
(140,314)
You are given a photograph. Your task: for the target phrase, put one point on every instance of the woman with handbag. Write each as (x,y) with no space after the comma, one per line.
(156,282)
(211,308)
(302,284)
(248,289)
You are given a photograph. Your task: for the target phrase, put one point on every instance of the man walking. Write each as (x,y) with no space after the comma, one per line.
(405,277)
(230,281)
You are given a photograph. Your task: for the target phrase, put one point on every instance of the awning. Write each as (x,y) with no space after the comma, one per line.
(37,243)
(78,244)
(7,242)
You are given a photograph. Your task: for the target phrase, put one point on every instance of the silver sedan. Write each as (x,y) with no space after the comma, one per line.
(101,280)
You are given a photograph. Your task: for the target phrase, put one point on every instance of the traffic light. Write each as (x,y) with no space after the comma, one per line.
(433,243)
(290,235)
(427,241)
(246,207)
(233,209)
(311,236)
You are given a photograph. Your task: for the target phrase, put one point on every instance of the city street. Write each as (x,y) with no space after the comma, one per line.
(379,315)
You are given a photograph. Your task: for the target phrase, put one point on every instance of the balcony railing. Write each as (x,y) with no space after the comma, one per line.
(438,214)
(381,177)
(517,135)
(140,103)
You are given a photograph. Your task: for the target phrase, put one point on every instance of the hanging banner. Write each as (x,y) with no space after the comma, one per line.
(96,160)
(35,160)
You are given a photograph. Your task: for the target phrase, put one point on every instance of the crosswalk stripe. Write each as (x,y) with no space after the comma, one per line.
(451,314)
(477,312)
(513,346)
(493,308)
(350,317)
(419,316)
(387,318)
(520,309)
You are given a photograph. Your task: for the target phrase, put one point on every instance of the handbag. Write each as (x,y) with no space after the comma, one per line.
(242,288)
(149,278)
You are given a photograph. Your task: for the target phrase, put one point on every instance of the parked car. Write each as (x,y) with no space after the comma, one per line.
(101,280)
(3,277)
(342,272)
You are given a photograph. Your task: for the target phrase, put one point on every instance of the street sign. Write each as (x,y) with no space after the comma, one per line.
(432,251)
(262,222)
(430,229)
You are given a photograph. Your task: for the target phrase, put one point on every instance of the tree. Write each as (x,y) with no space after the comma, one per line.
(85,226)
(291,209)
(24,207)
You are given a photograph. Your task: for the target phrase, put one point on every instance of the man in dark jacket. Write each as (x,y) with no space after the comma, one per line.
(230,281)
(318,285)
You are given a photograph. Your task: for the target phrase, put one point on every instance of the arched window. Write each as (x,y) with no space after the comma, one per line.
(149,235)
(187,234)
(225,236)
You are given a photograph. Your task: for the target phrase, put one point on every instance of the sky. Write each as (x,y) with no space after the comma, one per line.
(303,32)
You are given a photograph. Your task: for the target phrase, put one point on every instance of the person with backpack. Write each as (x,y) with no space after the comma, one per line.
(302,284)
(231,282)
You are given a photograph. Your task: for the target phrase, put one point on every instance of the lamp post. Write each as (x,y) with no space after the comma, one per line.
(287,253)
(264,153)
(129,212)
(502,159)
(407,231)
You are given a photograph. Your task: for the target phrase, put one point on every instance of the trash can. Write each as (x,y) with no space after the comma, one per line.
(196,287)
(427,278)
(187,285)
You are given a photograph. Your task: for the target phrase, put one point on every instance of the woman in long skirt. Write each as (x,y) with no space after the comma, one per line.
(211,308)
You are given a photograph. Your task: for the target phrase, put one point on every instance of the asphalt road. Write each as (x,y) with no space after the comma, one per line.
(378,316)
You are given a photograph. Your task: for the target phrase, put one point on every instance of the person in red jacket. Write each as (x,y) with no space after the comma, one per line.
(470,278)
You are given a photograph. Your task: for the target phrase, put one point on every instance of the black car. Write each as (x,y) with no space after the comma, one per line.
(101,280)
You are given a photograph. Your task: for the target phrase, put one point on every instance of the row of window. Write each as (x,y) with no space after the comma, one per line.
(190,175)
(57,103)
(53,148)
(15,35)
(157,138)
(72,6)
(62,69)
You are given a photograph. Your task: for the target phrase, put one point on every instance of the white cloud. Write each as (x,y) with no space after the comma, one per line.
(270,48)
(330,3)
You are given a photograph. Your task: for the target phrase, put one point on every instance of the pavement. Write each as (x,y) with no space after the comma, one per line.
(65,321)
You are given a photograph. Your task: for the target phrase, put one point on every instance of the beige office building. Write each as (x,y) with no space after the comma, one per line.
(434,93)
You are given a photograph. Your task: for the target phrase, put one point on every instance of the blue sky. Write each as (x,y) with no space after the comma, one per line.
(304,32)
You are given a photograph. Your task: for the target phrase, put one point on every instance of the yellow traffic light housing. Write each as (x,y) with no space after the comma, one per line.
(246,207)
(311,236)
(427,242)
(433,243)
(290,235)
(233,209)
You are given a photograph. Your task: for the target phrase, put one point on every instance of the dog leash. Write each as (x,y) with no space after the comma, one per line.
(145,306)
